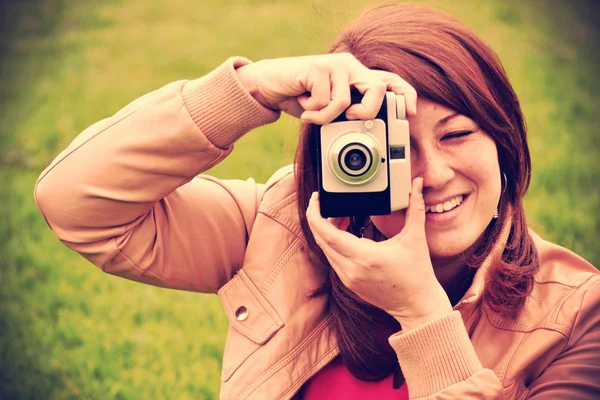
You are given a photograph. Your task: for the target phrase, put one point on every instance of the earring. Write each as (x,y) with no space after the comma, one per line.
(503,190)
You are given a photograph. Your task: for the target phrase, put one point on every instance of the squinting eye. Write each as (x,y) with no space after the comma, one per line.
(456,135)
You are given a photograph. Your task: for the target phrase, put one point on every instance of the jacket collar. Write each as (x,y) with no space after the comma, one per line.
(473,296)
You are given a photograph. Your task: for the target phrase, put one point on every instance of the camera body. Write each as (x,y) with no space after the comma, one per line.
(363,167)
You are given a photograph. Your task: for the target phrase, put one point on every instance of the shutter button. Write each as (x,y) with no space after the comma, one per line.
(241,313)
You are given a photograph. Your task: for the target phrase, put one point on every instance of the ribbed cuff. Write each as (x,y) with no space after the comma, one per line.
(436,355)
(222,108)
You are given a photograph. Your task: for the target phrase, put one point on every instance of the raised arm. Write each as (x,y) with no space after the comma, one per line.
(125,194)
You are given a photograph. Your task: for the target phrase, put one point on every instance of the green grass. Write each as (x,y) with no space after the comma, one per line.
(69,331)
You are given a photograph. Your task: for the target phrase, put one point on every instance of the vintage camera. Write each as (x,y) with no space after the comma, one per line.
(364,166)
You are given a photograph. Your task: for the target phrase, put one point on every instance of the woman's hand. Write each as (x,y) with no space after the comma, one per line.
(395,275)
(317,88)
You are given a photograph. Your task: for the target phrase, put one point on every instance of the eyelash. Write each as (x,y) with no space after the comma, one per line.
(456,135)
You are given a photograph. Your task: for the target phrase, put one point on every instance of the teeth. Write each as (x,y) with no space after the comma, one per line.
(446,206)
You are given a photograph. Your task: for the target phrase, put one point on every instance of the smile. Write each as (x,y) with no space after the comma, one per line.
(447,212)
(445,206)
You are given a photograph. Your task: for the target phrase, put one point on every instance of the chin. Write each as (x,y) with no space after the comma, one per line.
(445,253)
(442,247)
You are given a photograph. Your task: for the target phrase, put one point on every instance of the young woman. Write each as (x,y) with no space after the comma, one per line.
(452,298)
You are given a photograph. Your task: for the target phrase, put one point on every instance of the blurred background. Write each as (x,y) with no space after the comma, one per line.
(68,331)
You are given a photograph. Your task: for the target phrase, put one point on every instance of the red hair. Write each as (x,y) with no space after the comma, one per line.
(446,63)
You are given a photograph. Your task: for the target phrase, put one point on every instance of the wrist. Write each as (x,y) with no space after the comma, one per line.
(247,78)
(408,324)
(434,306)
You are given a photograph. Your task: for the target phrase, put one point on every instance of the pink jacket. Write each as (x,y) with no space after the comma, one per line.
(127,196)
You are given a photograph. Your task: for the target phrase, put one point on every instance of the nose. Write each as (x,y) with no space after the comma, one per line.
(433,168)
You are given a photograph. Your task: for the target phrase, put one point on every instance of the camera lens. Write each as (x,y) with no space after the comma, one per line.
(355,159)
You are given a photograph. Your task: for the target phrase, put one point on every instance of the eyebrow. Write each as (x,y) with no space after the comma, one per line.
(446,119)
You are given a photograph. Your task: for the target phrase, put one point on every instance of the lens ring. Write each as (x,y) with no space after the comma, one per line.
(363,164)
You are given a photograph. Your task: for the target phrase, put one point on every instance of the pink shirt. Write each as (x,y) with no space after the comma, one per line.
(336,382)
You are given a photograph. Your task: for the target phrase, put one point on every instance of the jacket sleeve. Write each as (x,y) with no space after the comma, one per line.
(127,196)
(439,362)
(575,374)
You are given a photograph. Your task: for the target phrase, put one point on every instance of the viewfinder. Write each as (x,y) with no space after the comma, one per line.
(397,153)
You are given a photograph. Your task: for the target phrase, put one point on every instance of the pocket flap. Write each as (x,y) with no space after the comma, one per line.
(248,310)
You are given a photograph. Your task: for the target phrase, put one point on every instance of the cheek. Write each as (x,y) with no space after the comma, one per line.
(483,170)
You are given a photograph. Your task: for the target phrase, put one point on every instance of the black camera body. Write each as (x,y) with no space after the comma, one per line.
(363,167)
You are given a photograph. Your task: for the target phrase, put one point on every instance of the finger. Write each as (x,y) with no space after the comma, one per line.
(310,103)
(340,100)
(338,262)
(319,86)
(399,86)
(291,107)
(307,103)
(410,96)
(415,215)
(371,101)
(337,240)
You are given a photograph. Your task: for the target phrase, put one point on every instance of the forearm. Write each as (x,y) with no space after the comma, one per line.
(117,169)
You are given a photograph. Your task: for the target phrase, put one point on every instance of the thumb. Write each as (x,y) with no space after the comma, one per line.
(415,215)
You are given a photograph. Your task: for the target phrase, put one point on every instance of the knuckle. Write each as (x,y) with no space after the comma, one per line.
(319,120)
(320,102)
(320,69)
(351,280)
(346,103)
(348,59)
(300,78)
(346,55)
(370,262)
(331,242)
(342,103)
(380,85)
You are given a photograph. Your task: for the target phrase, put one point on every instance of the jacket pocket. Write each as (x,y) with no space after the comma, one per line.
(253,321)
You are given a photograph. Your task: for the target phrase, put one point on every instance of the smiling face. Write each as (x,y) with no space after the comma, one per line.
(461,176)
